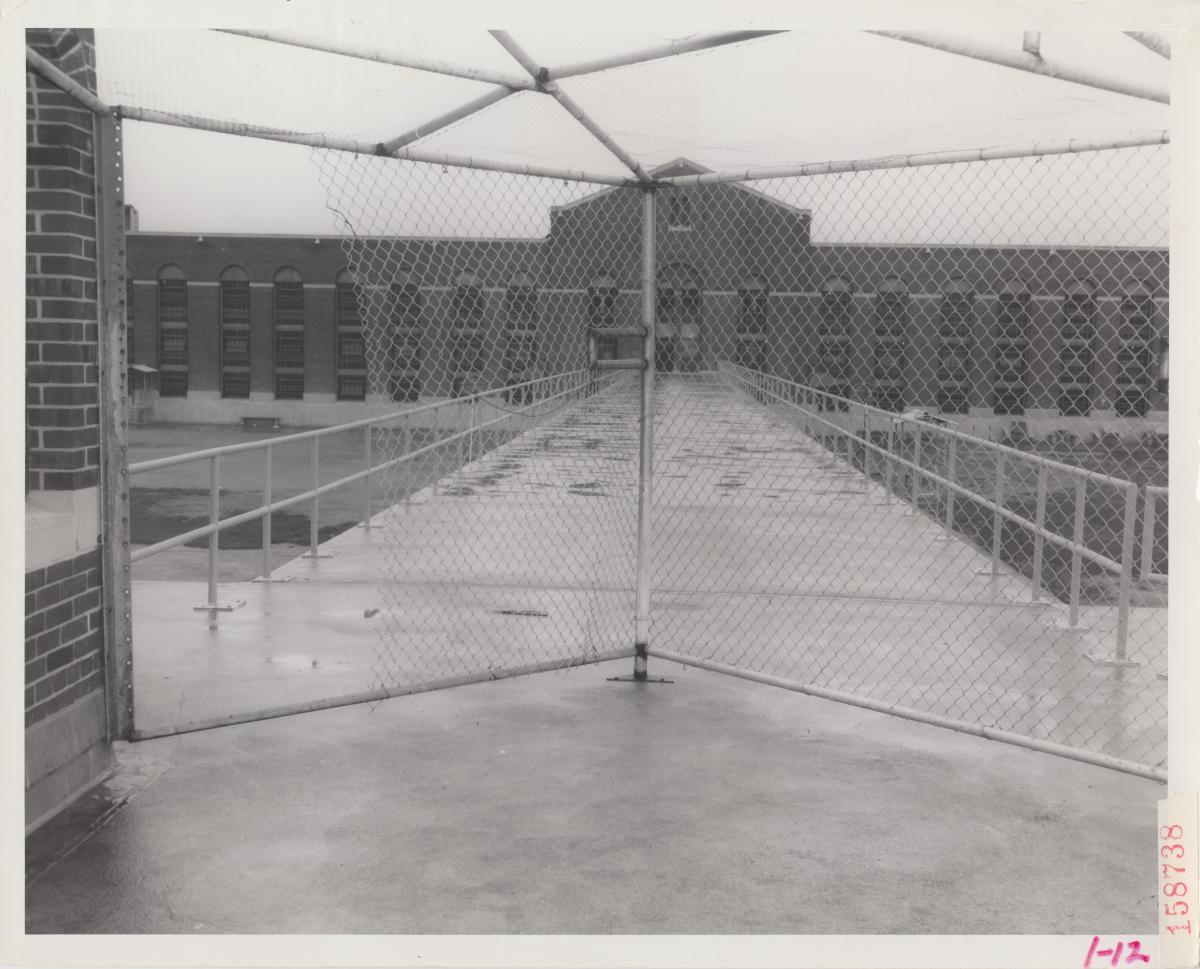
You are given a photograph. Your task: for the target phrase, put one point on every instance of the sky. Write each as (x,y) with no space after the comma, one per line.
(800,97)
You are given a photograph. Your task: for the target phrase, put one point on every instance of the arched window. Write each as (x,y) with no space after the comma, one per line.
(172,332)
(289,334)
(602,312)
(1136,350)
(235,332)
(890,384)
(1076,381)
(406,355)
(350,348)
(678,338)
(956,319)
(1014,315)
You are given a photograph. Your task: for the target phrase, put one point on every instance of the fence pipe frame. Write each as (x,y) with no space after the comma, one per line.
(243,130)
(1039,541)
(374,696)
(364,52)
(473,106)
(1072,146)
(1155,42)
(1127,553)
(1024,61)
(539,73)
(658,51)
(908,713)
(646,437)
(113,399)
(64,82)
(1149,528)
(266,548)
(368,462)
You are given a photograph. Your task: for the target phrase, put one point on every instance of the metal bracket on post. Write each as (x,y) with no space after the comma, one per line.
(639,674)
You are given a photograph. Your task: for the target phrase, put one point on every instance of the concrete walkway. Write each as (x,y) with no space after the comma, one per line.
(563,803)
(770,554)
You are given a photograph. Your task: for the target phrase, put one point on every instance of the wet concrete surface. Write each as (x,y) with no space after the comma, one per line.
(563,803)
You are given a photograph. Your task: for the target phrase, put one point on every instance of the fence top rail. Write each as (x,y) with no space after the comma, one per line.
(171,460)
(982,442)
(1157,489)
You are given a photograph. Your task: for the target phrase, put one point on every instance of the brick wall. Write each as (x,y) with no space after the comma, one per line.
(66,733)
(62,412)
(63,635)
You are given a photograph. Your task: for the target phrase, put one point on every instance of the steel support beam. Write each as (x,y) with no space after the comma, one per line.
(1155,42)
(363,147)
(657,52)
(444,120)
(1023,61)
(540,74)
(64,82)
(1035,150)
(380,56)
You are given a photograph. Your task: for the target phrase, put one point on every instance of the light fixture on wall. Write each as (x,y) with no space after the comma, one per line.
(199,238)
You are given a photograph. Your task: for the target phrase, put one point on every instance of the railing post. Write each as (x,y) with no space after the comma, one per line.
(1076,545)
(890,464)
(997,518)
(916,487)
(951,476)
(314,456)
(214,515)
(266,539)
(408,465)
(866,449)
(1127,553)
(367,459)
(1146,566)
(1039,541)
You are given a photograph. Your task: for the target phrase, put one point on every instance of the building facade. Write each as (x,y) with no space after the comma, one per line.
(306,329)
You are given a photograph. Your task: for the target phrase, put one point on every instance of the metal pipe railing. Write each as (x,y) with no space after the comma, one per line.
(760,385)
(1149,526)
(563,386)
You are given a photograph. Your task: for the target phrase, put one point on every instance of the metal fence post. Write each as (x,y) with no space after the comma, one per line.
(997,519)
(1077,544)
(408,465)
(646,438)
(890,463)
(1039,541)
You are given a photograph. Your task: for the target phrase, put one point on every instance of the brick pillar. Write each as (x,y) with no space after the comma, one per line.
(66,742)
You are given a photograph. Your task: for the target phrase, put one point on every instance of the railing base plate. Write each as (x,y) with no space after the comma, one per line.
(318,555)
(268,580)
(1125,664)
(211,607)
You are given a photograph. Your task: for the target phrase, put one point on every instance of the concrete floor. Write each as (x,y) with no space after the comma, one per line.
(562,803)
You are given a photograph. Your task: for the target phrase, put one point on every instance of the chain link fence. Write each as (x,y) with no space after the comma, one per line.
(913,431)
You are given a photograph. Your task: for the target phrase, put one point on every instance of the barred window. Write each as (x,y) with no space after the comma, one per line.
(289,386)
(679,210)
(602,302)
(606,348)
(351,352)
(173,383)
(235,383)
(289,349)
(235,301)
(467,302)
(173,348)
(289,303)
(521,305)
(351,387)
(235,348)
(346,312)
(835,309)
(754,299)
(172,296)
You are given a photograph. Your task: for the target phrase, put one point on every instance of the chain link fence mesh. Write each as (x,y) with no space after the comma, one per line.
(523,557)
(907,424)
